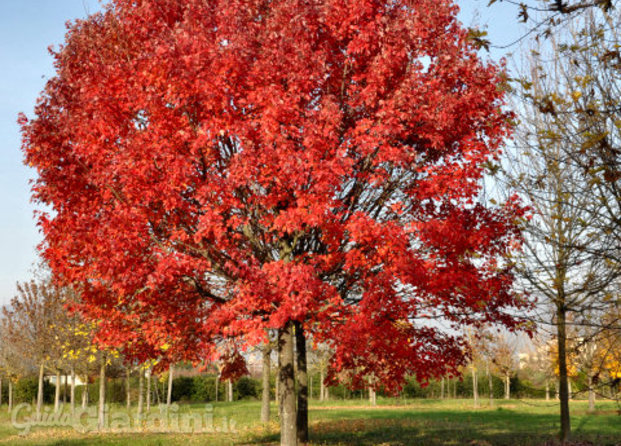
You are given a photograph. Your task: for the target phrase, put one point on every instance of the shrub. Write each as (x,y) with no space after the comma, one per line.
(26,390)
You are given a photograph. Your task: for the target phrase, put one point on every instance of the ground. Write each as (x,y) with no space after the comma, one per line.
(392,422)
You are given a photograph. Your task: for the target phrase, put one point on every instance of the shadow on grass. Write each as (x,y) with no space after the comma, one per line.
(435,428)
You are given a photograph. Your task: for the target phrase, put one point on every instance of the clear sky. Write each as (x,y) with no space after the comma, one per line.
(27,28)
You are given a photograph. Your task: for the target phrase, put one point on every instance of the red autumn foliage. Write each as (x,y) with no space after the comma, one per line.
(216,168)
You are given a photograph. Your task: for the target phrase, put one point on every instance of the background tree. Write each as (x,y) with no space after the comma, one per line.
(568,169)
(538,364)
(505,361)
(30,326)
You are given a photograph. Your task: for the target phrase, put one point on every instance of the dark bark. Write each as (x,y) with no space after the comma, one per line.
(562,366)
(302,382)
(265,397)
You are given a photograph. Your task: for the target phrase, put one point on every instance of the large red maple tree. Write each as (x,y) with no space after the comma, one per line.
(214,169)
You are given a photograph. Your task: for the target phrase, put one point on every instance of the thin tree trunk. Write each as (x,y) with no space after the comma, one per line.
(140,392)
(322,386)
(65,384)
(101,414)
(507,386)
(57,393)
(40,393)
(475,387)
(72,390)
(128,395)
(148,372)
(591,394)
(217,385)
(547,390)
(442,388)
(562,365)
(570,393)
(302,383)
(10,390)
(229,390)
(490,384)
(85,392)
(170,384)
(286,388)
(372,397)
(265,375)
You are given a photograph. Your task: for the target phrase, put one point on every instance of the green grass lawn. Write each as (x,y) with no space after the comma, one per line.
(391,422)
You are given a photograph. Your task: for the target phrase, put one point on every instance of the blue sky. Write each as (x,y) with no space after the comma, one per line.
(27,28)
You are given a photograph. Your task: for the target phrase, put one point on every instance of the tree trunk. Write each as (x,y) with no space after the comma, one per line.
(286,388)
(229,390)
(148,390)
(40,393)
(570,393)
(302,382)
(157,391)
(170,384)
(265,375)
(475,387)
(372,397)
(85,392)
(10,395)
(65,390)
(57,393)
(327,391)
(547,390)
(442,388)
(591,394)
(101,413)
(217,385)
(72,391)
(490,384)
(140,392)
(507,386)
(322,386)
(128,395)
(562,366)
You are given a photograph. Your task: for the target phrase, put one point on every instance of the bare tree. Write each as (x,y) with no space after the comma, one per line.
(31,320)
(567,167)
